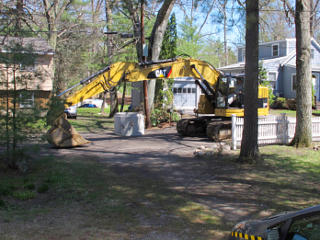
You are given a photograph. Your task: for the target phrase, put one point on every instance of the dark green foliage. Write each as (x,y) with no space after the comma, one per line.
(29,186)
(56,108)
(23,195)
(161,115)
(3,204)
(6,189)
(22,119)
(43,188)
(169,43)
(164,96)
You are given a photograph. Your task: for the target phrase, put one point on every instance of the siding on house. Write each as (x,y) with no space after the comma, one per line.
(36,78)
(240,52)
(265,50)
(40,99)
(288,72)
(40,78)
(316,52)
(283,65)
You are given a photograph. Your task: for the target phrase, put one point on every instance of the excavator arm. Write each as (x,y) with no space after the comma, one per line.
(134,72)
(62,134)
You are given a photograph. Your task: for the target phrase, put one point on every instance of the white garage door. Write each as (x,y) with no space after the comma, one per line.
(185,95)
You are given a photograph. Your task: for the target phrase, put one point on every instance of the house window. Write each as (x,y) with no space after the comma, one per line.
(26,99)
(275,50)
(293,82)
(312,53)
(24,67)
(272,78)
(243,54)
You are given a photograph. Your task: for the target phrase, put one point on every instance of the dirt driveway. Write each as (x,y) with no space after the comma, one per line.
(162,153)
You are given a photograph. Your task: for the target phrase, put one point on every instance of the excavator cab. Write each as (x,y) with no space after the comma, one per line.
(230,97)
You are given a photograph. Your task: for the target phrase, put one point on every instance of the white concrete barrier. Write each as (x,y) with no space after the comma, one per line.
(129,124)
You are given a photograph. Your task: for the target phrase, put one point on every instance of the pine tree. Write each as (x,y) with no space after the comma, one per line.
(169,44)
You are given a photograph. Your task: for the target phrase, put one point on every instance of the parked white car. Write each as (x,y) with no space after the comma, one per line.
(71,112)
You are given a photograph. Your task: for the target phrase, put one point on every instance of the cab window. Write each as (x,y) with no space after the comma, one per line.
(307,228)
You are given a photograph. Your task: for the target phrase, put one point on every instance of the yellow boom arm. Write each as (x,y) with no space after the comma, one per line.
(134,72)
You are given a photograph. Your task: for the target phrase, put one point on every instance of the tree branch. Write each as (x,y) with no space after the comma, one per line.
(206,18)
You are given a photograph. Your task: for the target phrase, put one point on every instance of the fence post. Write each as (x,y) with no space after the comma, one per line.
(285,123)
(234,132)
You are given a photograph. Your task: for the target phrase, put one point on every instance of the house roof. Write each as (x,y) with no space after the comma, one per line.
(272,42)
(313,68)
(241,65)
(235,66)
(38,45)
(282,61)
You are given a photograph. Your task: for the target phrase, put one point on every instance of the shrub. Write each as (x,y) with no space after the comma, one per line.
(2,204)
(6,190)
(24,195)
(279,103)
(29,186)
(43,188)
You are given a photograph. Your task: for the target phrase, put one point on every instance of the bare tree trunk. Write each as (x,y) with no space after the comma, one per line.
(103,105)
(249,144)
(137,87)
(7,120)
(19,6)
(123,95)
(156,39)
(303,135)
(113,102)
(154,46)
(53,11)
(113,94)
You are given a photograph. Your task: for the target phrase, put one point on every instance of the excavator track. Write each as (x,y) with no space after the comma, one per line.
(215,128)
(219,130)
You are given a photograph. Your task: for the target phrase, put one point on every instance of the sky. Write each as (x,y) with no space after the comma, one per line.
(212,29)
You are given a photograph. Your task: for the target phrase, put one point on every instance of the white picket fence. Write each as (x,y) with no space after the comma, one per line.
(272,129)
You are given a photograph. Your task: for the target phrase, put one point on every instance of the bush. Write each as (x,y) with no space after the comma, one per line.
(24,195)
(6,190)
(43,188)
(161,115)
(29,186)
(283,103)
(291,103)
(2,204)
(279,103)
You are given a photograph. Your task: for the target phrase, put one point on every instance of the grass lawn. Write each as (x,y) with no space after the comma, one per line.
(91,120)
(290,113)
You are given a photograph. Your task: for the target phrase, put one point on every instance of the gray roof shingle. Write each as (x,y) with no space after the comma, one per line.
(39,45)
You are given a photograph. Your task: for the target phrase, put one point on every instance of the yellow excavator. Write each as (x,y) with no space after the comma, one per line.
(222,96)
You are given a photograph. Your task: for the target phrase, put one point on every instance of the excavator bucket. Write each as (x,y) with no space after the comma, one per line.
(63,135)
